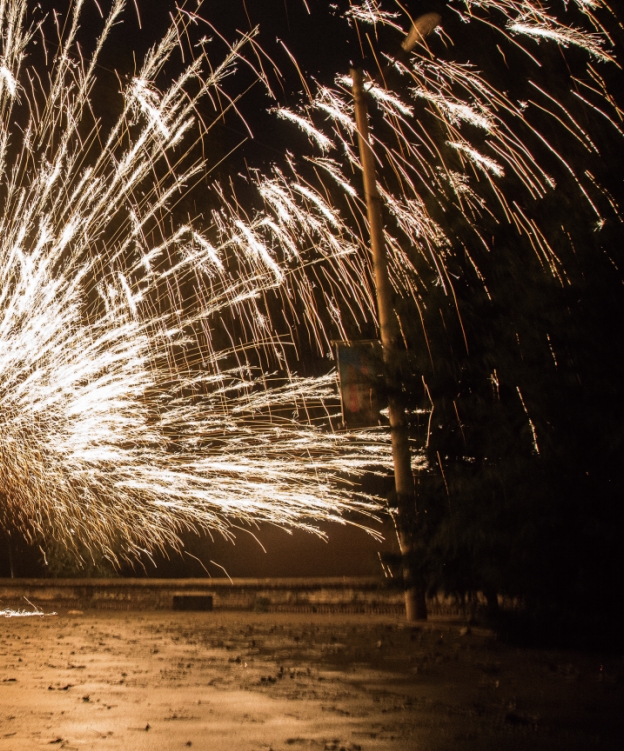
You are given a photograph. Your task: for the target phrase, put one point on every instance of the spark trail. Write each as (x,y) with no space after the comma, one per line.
(144,386)
(147,364)
(463,151)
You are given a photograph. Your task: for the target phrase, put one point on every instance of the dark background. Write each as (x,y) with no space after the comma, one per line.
(346,551)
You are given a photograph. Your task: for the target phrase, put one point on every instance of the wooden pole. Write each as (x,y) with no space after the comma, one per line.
(11,568)
(415,604)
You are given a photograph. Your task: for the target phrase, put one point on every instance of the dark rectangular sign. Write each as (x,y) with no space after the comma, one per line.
(360,370)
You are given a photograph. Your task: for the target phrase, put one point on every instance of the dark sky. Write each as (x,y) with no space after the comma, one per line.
(348,551)
(322,43)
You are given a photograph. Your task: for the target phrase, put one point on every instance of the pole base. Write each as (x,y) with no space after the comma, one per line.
(415,605)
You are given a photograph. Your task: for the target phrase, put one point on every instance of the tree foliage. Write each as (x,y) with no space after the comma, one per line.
(500,178)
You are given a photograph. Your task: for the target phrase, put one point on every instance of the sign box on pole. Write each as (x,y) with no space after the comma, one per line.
(362,392)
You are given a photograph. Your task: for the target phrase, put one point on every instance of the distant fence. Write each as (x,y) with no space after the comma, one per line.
(320,595)
(288,595)
(316,594)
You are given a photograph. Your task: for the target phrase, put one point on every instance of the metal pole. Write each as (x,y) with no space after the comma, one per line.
(415,604)
(11,558)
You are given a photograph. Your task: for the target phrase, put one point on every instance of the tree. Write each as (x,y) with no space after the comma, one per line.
(504,230)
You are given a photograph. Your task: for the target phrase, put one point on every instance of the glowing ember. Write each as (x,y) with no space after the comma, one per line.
(34,613)
(144,385)
(146,365)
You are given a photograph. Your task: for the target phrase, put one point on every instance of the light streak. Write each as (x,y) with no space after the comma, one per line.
(146,384)
(323,142)
(147,365)
(483,162)
(563,36)
(531,423)
(370,12)
(452,149)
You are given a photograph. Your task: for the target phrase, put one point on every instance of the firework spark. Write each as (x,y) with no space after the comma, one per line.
(455,151)
(36,612)
(147,364)
(145,386)
(8,613)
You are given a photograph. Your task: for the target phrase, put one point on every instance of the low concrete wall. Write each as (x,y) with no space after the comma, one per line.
(335,594)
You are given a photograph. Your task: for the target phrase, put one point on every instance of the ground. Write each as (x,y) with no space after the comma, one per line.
(304,682)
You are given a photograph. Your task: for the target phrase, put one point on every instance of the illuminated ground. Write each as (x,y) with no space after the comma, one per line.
(247,681)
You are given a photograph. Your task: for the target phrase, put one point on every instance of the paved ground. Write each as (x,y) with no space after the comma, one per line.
(253,681)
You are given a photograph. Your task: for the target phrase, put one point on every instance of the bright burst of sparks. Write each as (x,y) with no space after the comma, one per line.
(147,366)
(36,612)
(145,387)
(370,12)
(322,141)
(8,613)
(454,150)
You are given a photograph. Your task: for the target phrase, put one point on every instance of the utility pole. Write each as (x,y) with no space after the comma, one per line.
(405,520)
(415,603)
(11,568)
